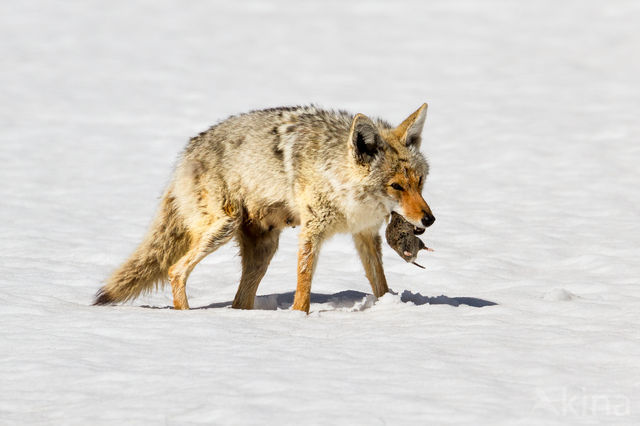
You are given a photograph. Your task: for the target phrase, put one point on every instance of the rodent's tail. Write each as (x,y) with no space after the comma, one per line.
(166,241)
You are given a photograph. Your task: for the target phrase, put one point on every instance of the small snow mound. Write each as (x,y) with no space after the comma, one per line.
(365,303)
(559,295)
(389,299)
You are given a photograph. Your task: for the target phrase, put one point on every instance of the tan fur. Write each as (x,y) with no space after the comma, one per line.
(408,126)
(166,241)
(369,246)
(257,247)
(251,175)
(209,239)
(306,266)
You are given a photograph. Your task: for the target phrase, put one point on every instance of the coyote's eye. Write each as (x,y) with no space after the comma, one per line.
(397,187)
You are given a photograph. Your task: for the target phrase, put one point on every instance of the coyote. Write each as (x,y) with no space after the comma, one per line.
(254,174)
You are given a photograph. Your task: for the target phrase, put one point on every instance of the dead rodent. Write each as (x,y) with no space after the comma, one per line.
(401,237)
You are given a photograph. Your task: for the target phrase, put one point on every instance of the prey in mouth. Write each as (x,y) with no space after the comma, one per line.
(401,236)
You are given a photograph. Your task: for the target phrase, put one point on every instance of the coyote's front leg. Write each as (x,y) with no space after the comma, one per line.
(307,259)
(368,244)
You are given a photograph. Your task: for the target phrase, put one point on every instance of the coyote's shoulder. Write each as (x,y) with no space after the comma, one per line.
(253,174)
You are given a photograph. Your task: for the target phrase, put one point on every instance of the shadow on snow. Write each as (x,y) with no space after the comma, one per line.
(351,299)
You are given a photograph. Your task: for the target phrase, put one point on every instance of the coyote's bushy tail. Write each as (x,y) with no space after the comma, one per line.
(166,241)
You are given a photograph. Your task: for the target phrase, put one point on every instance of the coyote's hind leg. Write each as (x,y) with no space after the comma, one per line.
(219,233)
(257,247)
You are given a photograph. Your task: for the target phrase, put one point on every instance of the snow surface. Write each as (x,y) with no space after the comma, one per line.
(532,133)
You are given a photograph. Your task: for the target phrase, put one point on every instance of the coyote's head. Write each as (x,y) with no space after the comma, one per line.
(392,165)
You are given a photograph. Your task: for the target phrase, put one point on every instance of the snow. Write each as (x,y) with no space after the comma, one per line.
(527,312)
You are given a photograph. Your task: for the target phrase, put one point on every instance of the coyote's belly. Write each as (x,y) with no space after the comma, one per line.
(269,215)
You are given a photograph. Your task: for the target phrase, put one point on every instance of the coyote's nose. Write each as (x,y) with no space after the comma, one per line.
(428,219)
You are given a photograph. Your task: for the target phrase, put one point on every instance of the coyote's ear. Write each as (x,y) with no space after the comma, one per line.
(364,140)
(410,130)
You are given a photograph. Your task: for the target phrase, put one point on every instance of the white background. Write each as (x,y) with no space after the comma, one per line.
(532,135)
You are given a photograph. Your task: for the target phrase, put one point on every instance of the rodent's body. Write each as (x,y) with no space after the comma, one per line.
(401,237)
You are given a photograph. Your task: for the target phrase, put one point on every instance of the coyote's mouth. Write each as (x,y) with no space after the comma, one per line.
(418,231)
